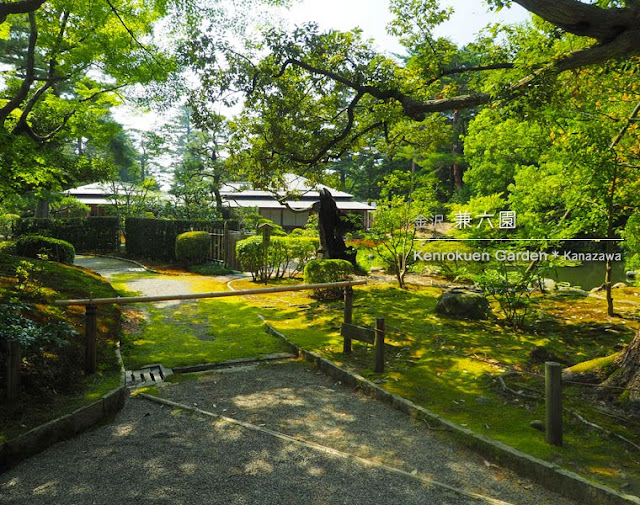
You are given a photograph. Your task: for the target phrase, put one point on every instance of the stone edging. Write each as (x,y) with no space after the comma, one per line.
(235,362)
(44,436)
(128,261)
(553,477)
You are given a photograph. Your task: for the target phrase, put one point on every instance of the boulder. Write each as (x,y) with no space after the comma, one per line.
(465,303)
(545,284)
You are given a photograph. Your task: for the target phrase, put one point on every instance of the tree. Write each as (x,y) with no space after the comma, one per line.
(66,63)
(317,96)
(394,232)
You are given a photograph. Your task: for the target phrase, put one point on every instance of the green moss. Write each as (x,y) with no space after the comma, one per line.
(48,281)
(595,365)
(193,333)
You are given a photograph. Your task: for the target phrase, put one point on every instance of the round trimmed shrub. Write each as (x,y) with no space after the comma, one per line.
(323,271)
(250,253)
(7,222)
(53,249)
(8,247)
(192,247)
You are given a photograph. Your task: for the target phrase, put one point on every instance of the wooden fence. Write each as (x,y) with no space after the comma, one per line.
(223,246)
(91,306)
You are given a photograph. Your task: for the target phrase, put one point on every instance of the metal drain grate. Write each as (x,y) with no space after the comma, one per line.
(147,375)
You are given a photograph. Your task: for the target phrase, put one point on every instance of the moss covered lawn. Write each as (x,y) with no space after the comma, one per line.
(450,366)
(193,332)
(53,383)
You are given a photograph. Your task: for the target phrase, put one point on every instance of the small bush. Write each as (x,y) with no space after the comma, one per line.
(8,247)
(192,247)
(7,222)
(53,249)
(322,271)
(250,253)
(284,255)
(211,268)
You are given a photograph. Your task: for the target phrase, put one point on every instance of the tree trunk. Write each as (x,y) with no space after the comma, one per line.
(332,229)
(42,208)
(457,173)
(607,284)
(626,374)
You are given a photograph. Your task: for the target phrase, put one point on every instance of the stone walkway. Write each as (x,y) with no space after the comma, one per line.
(308,440)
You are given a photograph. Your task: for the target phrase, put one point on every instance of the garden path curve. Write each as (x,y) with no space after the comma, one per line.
(260,435)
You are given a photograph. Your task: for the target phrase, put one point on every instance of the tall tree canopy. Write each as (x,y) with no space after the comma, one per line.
(66,62)
(312,97)
(64,65)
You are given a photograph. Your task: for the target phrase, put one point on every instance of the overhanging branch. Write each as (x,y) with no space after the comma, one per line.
(23,92)
(22,7)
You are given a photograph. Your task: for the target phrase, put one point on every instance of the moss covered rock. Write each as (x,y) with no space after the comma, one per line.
(463,303)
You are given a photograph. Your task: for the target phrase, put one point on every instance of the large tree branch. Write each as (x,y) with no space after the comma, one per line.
(338,138)
(131,34)
(26,128)
(23,92)
(22,7)
(583,19)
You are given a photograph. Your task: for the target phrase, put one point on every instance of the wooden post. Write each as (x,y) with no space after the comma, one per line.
(14,358)
(266,239)
(226,245)
(91,333)
(553,400)
(379,346)
(348,316)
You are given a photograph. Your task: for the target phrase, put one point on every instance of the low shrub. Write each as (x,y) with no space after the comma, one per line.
(323,271)
(8,247)
(211,268)
(192,247)
(53,249)
(7,222)
(284,255)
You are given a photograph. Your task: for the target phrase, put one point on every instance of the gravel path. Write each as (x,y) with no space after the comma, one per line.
(159,455)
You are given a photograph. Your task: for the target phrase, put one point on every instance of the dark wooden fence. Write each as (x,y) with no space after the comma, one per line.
(223,246)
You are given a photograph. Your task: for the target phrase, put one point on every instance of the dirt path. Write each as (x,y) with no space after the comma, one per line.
(310,441)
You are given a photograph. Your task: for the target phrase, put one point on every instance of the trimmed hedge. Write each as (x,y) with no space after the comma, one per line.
(86,234)
(35,246)
(7,222)
(322,271)
(156,238)
(8,247)
(192,247)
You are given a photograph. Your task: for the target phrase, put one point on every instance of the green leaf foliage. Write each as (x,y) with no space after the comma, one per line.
(38,246)
(324,271)
(193,247)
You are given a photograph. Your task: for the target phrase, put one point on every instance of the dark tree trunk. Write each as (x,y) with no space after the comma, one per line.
(42,208)
(457,172)
(626,374)
(332,227)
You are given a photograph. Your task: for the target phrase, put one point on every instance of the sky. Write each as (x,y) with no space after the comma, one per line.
(372,16)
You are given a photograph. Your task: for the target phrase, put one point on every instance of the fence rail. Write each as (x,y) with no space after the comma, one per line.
(92,304)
